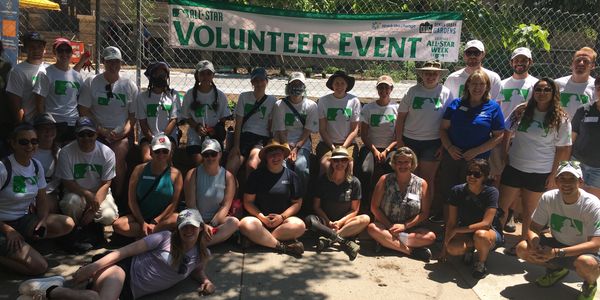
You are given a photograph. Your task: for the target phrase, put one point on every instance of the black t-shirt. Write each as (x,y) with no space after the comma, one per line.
(586,123)
(274,192)
(336,200)
(471,207)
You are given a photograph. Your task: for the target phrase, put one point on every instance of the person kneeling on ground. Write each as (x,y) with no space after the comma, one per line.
(210,188)
(272,197)
(152,264)
(400,203)
(473,222)
(336,205)
(573,216)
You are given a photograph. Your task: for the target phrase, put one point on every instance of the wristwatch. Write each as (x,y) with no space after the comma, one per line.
(560,252)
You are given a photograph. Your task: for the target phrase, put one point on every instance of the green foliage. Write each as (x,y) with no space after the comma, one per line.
(331,69)
(308,71)
(526,35)
(398,71)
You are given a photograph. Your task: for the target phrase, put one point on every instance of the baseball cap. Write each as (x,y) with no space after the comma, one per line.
(84,123)
(33,36)
(477,44)
(189,217)
(521,51)
(43,119)
(571,166)
(61,41)
(161,141)
(297,76)
(385,79)
(155,65)
(211,145)
(260,73)
(111,52)
(205,65)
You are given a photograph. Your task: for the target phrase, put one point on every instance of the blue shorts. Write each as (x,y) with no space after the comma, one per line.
(425,150)
(591,175)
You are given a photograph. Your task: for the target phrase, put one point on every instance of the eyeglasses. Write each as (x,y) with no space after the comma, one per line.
(183,267)
(109,92)
(573,163)
(475,174)
(210,154)
(472,52)
(584,60)
(543,90)
(86,133)
(25,142)
(161,151)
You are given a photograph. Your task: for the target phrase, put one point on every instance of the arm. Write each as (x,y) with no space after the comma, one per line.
(16,104)
(351,214)
(455,152)
(353,134)
(102,191)
(38,100)
(487,146)
(189,189)
(324,134)
(562,153)
(132,200)
(253,210)
(74,187)
(206,286)
(401,118)
(506,145)
(171,126)
(236,134)
(146,132)
(41,208)
(293,209)
(221,214)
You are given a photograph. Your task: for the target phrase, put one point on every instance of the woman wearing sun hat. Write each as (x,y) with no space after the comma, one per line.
(339,116)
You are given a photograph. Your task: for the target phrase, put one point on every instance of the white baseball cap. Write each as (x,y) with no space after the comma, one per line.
(111,52)
(205,65)
(477,44)
(570,166)
(211,145)
(161,141)
(521,51)
(189,217)
(297,76)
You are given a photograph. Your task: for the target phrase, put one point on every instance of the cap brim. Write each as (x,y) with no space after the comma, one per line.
(189,222)
(264,150)
(160,146)
(349,81)
(84,128)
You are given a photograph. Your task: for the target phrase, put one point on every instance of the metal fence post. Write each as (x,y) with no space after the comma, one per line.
(98,38)
(138,43)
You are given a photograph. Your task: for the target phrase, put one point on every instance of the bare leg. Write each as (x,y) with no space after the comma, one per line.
(109,282)
(25,261)
(128,226)
(460,244)
(324,164)
(530,202)
(234,162)
(419,238)
(354,226)
(587,268)
(58,225)
(224,231)
(253,228)
(291,228)
(484,240)
(118,183)
(145,152)
(168,223)
(427,170)
(508,195)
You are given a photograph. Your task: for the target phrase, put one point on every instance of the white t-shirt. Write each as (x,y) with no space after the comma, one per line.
(574,95)
(339,113)
(22,189)
(570,224)
(285,120)
(47,159)
(158,109)
(515,92)
(87,169)
(534,146)
(425,108)
(456,82)
(204,113)
(61,91)
(258,123)
(21,80)
(381,121)
(109,112)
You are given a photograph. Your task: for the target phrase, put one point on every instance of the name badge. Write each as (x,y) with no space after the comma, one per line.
(590,120)
(148,177)
(412,196)
(464,108)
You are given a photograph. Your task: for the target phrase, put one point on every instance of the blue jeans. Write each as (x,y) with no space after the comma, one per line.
(301,167)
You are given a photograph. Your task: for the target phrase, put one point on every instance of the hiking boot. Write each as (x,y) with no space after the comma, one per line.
(422,254)
(479,270)
(587,291)
(551,277)
(295,248)
(351,249)
(323,243)
(38,286)
(510,225)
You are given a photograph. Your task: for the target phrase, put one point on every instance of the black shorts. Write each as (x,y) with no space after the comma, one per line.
(125,264)
(249,141)
(535,182)
(567,262)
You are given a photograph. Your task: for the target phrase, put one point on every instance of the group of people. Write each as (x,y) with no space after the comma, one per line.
(463,152)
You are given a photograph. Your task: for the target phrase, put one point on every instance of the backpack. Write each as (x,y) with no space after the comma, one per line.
(8,166)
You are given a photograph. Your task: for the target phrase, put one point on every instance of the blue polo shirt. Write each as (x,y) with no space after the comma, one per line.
(472,126)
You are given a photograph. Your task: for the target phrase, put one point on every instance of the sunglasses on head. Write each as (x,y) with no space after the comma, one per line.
(161,151)
(183,267)
(25,142)
(210,154)
(573,163)
(472,52)
(109,92)
(86,133)
(545,90)
(475,174)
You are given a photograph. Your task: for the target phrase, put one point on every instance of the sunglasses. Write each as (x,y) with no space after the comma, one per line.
(543,90)
(475,174)
(339,160)
(183,267)
(86,133)
(210,154)
(573,163)
(109,92)
(161,151)
(25,142)
(472,52)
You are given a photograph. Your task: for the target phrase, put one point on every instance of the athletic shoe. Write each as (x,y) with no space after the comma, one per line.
(551,277)
(422,254)
(351,249)
(479,270)
(38,286)
(295,248)
(323,243)
(587,291)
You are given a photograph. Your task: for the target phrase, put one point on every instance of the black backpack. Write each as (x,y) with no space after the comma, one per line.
(8,166)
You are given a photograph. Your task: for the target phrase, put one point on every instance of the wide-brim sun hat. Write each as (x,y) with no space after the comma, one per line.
(349,80)
(340,152)
(432,65)
(273,144)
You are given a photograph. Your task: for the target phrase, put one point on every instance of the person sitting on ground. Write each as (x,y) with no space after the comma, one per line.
(400,204)
(253,115)
(473,222)
(150,265)
(154,192)
(336,204)
(294,119)
(205,109)
(47,153)
(23,209)
(86,168)
(272,199)
(210,189)
(573,216)
(158,108)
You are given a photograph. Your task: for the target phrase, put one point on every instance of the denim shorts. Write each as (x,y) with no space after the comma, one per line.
(425,150)
(591,175)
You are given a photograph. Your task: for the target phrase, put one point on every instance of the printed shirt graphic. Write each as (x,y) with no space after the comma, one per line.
(61,92)
(204,113)
(21,80)
(515,92)
(285,119)
(21,190)
(258,123)
(574,95)
(381,121)
(425,108)
(570,224)
(339,114)
(86,169)
(456,82)
(534,145)
(111,109)
(158,109)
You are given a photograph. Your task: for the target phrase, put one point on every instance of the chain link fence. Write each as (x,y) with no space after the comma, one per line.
(141,30)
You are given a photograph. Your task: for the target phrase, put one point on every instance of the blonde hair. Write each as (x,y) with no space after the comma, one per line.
(587,51)
(405,151)
(348,171)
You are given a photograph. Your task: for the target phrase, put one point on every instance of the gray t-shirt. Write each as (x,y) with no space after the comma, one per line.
(570,224)
(210,191)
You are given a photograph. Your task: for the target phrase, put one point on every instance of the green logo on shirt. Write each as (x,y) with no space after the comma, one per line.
(565,98)
(79,170)
(341,112)
(525,125)
(461,90)
(20,183)
(376,120)
(290,119)
(515,95)
(152,109)
(119,97)
(262,110)
(61,86)
(419,101)
(566,226)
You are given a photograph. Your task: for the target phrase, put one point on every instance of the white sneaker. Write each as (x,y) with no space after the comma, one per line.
(38,286)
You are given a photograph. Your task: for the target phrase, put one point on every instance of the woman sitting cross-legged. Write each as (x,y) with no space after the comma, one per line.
(336,205)
(400,203)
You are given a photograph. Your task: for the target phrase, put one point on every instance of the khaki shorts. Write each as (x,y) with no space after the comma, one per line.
(74,206)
